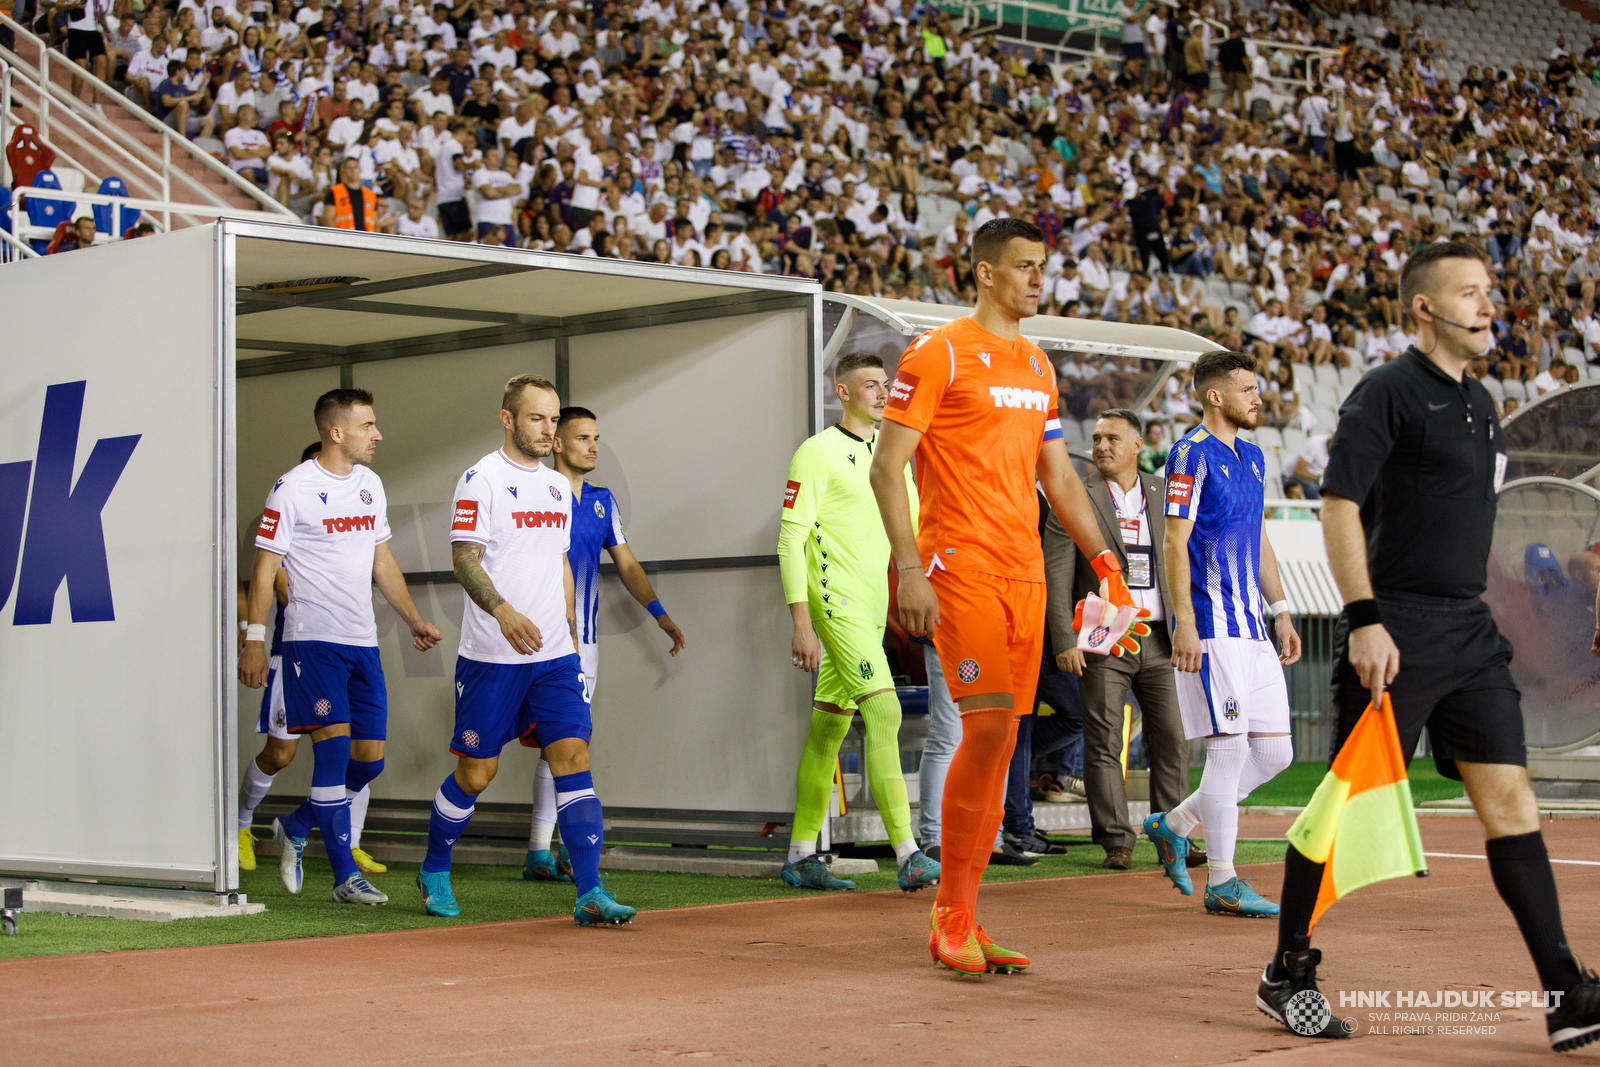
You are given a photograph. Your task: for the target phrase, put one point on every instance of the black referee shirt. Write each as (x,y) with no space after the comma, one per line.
(1424,456)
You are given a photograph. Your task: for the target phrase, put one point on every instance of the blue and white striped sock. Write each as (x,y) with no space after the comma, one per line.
(582,827)
(329,804)
(452,810)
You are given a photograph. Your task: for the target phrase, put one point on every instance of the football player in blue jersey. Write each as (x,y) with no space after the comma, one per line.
(596,525)
(1231,687)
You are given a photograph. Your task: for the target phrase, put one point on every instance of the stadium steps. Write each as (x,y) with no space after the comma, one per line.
(69,139)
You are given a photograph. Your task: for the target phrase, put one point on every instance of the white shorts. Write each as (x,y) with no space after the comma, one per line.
(272,720)
(1239,689)
(589,660)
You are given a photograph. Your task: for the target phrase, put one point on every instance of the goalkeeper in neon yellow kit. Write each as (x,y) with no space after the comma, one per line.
(834,557)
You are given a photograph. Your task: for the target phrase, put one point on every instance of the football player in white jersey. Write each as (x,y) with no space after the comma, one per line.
(325,521)
(280,747)
(518,676)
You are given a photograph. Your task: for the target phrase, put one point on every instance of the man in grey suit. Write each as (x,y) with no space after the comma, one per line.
(1129,507)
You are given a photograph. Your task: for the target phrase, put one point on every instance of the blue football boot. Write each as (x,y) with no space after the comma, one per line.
(1171,849)
(598,907)
(1235,897)
(917,871)
(437,896)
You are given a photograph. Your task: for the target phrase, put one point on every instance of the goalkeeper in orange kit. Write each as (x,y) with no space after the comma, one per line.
(976,403)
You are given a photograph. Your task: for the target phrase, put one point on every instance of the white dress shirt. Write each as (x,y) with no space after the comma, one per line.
(1133,515)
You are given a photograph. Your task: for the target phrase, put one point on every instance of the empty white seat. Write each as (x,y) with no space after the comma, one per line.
(1268,439)
(1515,390)
(1349,376)
(1294,439)
(1326,373)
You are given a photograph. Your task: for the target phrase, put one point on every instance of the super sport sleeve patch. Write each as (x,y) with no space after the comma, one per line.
(269,524)
(791,493)
(466,517)
(903,391)
(1179,489)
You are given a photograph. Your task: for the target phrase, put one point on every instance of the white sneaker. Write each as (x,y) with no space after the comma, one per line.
(289,849)
(357,890)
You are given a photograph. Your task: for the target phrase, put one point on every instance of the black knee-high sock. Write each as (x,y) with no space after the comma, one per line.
(1520,867)
(1302,880)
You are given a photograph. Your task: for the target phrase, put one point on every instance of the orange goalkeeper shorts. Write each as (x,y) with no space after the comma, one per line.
(990,635)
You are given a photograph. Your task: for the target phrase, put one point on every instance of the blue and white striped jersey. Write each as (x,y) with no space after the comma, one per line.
(1222,492)
(596,525)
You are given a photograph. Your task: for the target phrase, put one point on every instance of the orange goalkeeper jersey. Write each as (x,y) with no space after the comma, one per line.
(984,406)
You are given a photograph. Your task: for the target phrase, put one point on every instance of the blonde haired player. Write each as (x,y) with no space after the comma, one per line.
(834,559)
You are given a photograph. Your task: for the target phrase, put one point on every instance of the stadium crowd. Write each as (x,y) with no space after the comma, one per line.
(1180,185)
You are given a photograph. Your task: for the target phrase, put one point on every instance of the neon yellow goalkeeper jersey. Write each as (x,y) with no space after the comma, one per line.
(832,548)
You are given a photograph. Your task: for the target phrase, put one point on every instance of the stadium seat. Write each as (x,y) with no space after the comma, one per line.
(1302,376)
(1326,374)
(1071,431)
(1515,390)
(63,228)
(45,213)
(1293,441)
(125,217)
(1349,376)
(1496,389)
(1269,439)
(27,155)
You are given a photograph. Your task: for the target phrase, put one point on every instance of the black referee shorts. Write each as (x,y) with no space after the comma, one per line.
(1455,679)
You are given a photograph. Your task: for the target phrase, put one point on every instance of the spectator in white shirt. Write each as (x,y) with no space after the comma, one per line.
(248,148)
(497,194)
(345,132)
(1309,466)
(415,222)
(288,171)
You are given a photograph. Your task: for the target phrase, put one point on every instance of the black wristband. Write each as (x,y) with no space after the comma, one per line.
(1359,613)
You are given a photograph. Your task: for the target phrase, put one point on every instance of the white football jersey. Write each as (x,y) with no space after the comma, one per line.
(523,517)
(327,529)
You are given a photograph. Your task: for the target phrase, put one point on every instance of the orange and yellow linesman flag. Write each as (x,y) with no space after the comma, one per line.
(1360,822)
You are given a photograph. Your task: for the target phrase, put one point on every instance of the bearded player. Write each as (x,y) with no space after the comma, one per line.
(975,402)
(518,676)
(1231,689)
(834,560)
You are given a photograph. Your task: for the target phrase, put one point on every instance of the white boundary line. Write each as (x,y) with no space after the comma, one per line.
(1464,856)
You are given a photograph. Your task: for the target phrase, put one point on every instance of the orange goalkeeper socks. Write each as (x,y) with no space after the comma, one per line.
(972,793)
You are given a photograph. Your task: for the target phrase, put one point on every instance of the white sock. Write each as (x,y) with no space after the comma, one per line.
(799,850)
(1182,819)
(905,850)
(1268,757)
(1219,810)
(544,808)
(251,791)
(358,813)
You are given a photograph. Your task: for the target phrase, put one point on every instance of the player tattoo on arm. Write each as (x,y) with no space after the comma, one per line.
(468,561)
(521,634)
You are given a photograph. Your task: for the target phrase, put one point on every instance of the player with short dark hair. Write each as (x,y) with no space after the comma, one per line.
(1409,497)
(1231,689)
(596,525)
(518,676)
(833,557)
(281,746)
(325,521)
(976,402)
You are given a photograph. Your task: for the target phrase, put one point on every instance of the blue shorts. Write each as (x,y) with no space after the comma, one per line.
(326,683)
(536,703)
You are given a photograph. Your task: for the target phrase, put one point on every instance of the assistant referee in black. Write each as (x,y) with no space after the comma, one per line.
(1408,511)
